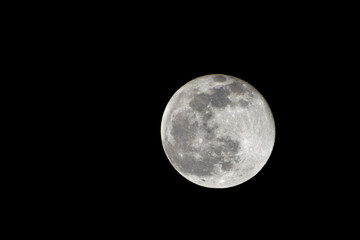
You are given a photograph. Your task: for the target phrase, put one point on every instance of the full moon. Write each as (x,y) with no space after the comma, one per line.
(217,131)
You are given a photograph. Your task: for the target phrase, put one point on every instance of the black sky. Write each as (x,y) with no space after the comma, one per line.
(115,75)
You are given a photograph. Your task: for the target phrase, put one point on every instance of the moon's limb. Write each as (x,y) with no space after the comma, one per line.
(217,131)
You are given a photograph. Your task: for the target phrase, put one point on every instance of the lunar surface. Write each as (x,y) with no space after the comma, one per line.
(217,131)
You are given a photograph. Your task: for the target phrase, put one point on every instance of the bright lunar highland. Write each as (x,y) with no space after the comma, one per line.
(217,131)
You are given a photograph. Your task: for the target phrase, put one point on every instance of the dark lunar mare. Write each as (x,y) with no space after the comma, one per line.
(219,78)
(238,88)
(226,166)
(184,134)
(200,102)
(199,168)
(219,99)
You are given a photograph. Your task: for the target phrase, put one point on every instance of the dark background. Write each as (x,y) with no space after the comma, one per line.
(131,83)
(111,76)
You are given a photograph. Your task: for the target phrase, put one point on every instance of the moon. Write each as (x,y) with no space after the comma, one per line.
(217,131)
